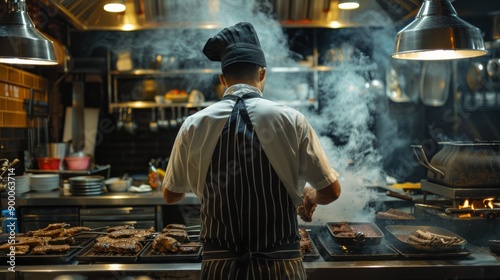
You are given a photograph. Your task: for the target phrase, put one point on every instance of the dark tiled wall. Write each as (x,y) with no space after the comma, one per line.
(13,141)
(127,153)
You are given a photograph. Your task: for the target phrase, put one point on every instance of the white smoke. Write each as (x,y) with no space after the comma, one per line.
(348,110)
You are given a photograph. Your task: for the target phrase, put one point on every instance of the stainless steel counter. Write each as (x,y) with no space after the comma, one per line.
(481,264)
(64,198)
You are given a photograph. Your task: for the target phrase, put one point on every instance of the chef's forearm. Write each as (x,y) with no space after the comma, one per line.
(172,197)
(325,195)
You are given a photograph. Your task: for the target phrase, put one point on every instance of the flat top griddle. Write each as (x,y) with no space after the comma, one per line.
(150,255)
(89,255)
(31,259)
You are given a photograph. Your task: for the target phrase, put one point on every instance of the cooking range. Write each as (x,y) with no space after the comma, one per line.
(485,196)
(473,212)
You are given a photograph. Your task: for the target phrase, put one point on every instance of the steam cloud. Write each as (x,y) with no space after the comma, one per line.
(350,102)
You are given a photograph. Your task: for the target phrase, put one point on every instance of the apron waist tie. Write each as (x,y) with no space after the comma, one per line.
(291,251)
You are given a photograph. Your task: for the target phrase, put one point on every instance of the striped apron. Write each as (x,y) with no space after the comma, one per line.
(249,224)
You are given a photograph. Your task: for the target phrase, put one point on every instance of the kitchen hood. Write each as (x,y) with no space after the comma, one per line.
(153,14)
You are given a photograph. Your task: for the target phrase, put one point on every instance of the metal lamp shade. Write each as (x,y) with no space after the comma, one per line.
(21,42)
(437,33)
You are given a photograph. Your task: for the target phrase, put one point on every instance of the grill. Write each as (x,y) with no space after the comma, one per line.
(479,198)
(457,195)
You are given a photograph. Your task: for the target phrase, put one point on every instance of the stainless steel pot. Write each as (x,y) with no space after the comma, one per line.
(463,164)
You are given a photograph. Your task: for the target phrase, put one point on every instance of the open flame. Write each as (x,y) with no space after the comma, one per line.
(476,204)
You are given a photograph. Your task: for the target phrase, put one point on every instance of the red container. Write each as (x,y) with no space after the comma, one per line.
(49,163)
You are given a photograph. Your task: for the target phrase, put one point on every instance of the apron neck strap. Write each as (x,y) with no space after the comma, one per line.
(244,96)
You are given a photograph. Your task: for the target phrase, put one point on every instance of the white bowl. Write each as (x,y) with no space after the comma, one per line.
(118,185)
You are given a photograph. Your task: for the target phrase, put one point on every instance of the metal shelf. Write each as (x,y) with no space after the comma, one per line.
(180,72)
(151,104)
(96,169)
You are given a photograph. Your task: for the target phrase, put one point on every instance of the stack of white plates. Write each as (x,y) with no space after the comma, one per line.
(44,182)
(86,185)
(22,183)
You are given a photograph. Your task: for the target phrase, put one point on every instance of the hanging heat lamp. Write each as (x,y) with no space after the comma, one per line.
(348,4)
(115,6)
(20,41)
(437,33)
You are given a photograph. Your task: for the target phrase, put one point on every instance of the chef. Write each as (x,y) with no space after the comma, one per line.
(247,159)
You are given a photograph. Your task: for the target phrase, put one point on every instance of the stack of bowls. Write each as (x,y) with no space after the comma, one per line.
(86,185)
(22,183)
(44,182)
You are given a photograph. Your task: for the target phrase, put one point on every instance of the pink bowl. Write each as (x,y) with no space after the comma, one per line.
(77,163)
(48,163)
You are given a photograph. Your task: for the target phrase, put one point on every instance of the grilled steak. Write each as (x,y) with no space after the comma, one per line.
(50,249)
(55,226)
(343,229)
(137,233)
(21,249)
(61,240)
(395,214)
(105,244)
(73,230)
(305,242)
(189,248)
(46,233)
(305,245)
(176,226)
(28,241)
(111,229)
(165,244)
(303,233)
(179,235)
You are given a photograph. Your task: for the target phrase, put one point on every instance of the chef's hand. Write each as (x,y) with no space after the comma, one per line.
(306,209)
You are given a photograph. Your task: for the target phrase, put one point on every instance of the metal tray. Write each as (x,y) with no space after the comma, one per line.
(399,235)
(29,259)
(341,253)
(372,238)
(150,255)
(89,255)
(494,246)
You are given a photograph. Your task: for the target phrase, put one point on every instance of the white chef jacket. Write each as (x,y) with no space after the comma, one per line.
(287,138)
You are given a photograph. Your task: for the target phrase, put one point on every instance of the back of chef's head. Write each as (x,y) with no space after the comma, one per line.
(238,43)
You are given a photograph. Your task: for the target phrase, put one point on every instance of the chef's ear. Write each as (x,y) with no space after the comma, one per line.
(262,73)
(222,80)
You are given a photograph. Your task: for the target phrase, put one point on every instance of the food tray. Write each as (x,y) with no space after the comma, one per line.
(313,254)
(494,246)
(89,255)
(398,236)
(29,259)
(337,252)
(372,234)
(149,255)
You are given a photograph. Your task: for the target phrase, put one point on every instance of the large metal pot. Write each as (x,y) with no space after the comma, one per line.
(463,164)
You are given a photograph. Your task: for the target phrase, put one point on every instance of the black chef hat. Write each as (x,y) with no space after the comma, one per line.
(238,43)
